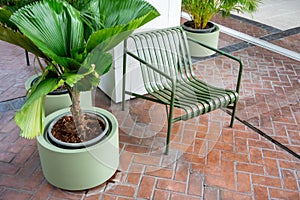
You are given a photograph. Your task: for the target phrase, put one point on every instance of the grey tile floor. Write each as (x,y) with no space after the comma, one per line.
(277,13)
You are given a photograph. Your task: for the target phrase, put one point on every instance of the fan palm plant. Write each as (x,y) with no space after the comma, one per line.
(75,43)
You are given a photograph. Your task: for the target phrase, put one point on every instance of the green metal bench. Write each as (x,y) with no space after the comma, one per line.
(169,77)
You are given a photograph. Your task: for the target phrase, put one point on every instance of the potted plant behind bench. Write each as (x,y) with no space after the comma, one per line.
(202,29)
(75,44)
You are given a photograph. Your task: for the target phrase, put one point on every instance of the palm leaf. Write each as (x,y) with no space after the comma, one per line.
(55,27)
(108,38)
(114,20)
(100,63)
(109,13)
(16,38)
(9,33)
(30,118)
(4,18)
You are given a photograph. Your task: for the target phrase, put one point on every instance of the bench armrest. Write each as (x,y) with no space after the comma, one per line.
(227,55)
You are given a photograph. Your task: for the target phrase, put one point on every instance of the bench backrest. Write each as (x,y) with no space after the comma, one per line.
(165,49)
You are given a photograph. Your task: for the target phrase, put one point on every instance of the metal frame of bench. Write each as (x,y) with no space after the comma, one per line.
(169,77)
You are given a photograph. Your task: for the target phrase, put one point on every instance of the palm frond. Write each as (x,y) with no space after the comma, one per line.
(114,20)
(16,38)
(30,118)
(4,18)
(54,26)
(117,12)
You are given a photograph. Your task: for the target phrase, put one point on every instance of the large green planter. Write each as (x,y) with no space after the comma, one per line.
(80,169)
(54,102)
(211,39)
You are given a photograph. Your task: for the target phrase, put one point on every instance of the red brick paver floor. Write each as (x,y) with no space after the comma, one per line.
(14,71)
(270,91)
(207,160)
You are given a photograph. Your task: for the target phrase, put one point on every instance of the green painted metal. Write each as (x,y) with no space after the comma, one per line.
(169,77)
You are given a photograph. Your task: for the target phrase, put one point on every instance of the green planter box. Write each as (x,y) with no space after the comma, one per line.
(80,169)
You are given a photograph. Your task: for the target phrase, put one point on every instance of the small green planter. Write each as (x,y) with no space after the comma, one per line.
(80,169)
(211,39)
(54,102)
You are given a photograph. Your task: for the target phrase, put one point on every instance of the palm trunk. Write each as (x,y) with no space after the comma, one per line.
(77,114)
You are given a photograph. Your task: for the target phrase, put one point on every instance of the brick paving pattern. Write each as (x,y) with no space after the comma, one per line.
(14,71)
(291,43)
(208,160)
(242,25)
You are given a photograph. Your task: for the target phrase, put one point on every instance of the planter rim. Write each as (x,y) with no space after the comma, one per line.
(43,141)
(207,30)
(82,144)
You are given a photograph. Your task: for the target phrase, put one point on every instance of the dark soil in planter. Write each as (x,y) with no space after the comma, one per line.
(64,129)
(61,88)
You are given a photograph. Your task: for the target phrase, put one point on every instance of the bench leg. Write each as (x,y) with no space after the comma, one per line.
(170,121)
(168,137)
(27,58)
(233,114)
